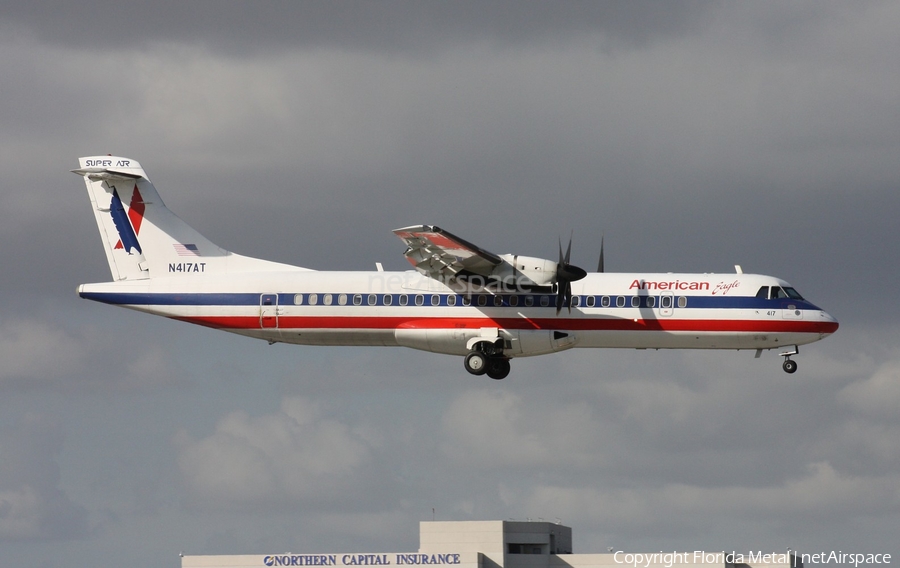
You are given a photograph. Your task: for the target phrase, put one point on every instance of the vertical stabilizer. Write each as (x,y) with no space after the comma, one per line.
(141,237)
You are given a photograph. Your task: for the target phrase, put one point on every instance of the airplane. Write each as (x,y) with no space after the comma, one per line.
(460,299)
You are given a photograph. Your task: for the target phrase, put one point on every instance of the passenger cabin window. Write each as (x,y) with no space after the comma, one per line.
(529,300)
(388,299)
(604,302)
(498,300)
(665,302)
(313,299)
(373,299)
(451,300)
(682,301)
(357,299)
(545,301)
(298,299)
(342,299)
(635,301)
(435,300)
(404,299)
(326,299)
(620,301)
(576,301)
(591,301)
(513,300)
(420,300)
(482,300)
(651,301)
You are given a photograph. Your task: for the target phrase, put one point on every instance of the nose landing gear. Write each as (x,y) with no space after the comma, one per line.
(789,365)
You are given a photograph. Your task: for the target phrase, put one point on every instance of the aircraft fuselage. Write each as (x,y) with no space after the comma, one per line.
(642,311)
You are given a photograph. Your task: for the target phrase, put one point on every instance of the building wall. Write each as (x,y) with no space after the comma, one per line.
(495,544)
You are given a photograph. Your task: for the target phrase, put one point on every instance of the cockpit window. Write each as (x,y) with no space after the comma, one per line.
(779,293)
(763,293)
(792,294)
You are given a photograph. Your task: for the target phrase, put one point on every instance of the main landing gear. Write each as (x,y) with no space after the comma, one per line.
(487,358)
(789,365)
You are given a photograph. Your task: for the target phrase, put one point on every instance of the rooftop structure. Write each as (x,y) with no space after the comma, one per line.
(500,544)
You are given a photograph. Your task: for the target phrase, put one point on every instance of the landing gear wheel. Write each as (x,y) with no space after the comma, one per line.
(476,363)
(789,366)
(498,368)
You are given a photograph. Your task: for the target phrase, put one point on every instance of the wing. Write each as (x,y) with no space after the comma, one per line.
(442,255)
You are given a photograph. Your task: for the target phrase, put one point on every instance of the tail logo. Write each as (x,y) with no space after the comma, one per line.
(128,224)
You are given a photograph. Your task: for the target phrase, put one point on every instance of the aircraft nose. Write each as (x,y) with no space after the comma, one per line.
(830,323)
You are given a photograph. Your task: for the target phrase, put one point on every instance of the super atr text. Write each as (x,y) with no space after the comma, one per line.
(360,559)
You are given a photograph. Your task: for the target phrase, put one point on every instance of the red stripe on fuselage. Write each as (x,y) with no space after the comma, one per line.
(581,324)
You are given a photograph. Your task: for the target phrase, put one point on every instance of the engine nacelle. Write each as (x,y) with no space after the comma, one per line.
(518,271)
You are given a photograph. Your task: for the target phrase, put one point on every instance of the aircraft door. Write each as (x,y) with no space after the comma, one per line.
(268,311)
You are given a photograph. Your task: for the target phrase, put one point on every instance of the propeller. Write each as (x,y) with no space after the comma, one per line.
(600,264)
(566,273)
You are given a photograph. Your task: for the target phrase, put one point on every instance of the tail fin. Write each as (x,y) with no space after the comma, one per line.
(142,238)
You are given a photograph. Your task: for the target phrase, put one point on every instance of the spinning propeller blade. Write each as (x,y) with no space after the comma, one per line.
(566,273)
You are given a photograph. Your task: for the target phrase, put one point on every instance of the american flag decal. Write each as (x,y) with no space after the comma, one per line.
(186,250)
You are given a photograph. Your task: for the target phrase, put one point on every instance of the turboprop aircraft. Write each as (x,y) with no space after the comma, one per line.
(460,299)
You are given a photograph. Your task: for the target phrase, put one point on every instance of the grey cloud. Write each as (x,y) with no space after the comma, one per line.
(368,25)
(32,504)
(297,455)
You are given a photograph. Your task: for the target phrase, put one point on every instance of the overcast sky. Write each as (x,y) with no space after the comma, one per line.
(692,136)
